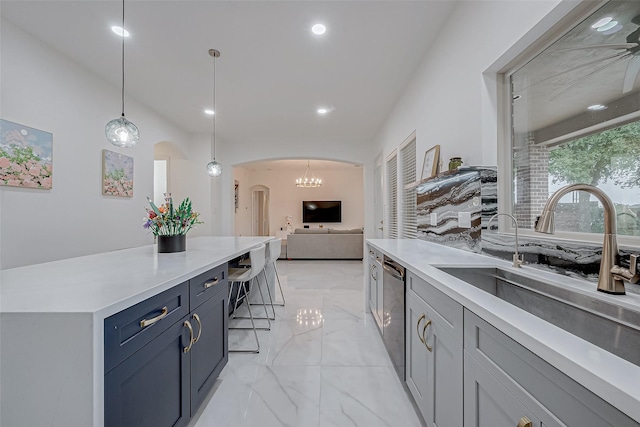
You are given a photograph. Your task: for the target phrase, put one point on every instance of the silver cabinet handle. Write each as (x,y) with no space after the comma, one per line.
(144,322)
(525,422)
(211,283)
(195,316)
(418,327)
(186,324)
(424,339)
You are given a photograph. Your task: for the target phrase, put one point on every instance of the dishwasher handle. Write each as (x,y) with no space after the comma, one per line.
(396,274)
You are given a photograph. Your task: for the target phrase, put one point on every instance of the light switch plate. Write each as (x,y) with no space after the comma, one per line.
(464,219)
(433,218)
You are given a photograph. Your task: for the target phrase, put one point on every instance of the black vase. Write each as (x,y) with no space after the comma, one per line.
(168,244)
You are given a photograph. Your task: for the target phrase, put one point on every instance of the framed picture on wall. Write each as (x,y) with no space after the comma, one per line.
(25,156)
(430,164)
(117,174)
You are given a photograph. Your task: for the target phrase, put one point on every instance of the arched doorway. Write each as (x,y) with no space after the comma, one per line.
(260,210)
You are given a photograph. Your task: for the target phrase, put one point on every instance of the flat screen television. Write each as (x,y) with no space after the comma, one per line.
(321,211)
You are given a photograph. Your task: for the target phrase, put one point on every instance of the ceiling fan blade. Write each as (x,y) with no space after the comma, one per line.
(630,76)
(604,58)
(603,66)
(598,46)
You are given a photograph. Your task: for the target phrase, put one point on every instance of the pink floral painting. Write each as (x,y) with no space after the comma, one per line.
(25,156)
(117,174)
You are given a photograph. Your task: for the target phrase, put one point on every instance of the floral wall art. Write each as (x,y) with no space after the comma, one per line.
(117,174)
(25,156)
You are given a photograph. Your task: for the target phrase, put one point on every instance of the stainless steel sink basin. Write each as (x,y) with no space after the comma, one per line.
(607,325)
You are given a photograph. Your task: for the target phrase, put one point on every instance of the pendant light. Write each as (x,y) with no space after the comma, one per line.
(120,131)
(213,167)
(309,179)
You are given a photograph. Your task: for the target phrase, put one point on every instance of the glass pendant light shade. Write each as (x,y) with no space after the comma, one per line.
(122,133)
(214,168)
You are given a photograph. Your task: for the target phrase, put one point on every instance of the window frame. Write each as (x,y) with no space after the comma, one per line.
(505,132)
(408,228)
(391,192)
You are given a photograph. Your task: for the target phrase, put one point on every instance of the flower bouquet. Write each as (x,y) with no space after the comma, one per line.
(171,224)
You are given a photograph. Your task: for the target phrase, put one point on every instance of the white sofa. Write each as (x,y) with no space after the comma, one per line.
(325,243)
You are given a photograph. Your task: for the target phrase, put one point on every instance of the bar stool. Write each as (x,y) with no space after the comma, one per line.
(274,248)
(245,276)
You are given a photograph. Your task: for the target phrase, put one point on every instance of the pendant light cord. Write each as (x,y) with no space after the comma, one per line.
(215,112)
(123,37)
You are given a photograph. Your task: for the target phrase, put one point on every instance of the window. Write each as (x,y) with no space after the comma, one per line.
(392,196)
(575,111)
(408,227)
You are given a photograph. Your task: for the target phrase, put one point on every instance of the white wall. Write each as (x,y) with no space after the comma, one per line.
(188,178)
(45,90)
(235,153)
(449,100)
(286,199)
(242,217)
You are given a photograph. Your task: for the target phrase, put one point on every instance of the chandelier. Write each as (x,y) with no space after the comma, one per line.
(309,179)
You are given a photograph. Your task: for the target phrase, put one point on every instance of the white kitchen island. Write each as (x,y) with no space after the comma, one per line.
(52,324)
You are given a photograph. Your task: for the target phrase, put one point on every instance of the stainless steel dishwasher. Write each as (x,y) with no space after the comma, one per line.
(393,313)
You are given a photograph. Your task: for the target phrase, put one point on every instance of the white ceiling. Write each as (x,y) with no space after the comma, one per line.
(273,72)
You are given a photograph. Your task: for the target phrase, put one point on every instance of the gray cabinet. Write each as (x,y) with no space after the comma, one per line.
(504,381)
(160,367)
(488,403)
(375,287)
(151,388)
(210,350)
(434,356)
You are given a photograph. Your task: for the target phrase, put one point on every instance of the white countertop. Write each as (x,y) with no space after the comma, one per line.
(612,378)
(104,284)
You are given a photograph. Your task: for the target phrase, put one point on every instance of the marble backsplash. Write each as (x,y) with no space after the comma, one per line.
(474,190)
(440,200)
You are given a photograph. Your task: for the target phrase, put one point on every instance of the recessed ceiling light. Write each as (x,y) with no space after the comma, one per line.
(120,31)
(209,112)
(597,107)
(613,30)
(322,111)
(603,21)
(608,26)
(318,29)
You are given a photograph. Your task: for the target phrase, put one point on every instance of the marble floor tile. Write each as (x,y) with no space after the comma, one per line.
(322,363)
(297,344)
(353,342)
(265,396)
(364,396)
(343,303)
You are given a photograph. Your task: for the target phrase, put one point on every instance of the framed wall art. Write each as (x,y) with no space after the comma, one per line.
(117,174)
(430,164)
(25,156)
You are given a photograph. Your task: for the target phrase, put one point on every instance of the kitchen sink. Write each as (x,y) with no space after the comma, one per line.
(611,327)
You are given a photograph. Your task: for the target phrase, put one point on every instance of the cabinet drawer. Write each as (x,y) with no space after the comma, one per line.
(207,284)
(151,388)
(129,330)
(447,311)
(556,399)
